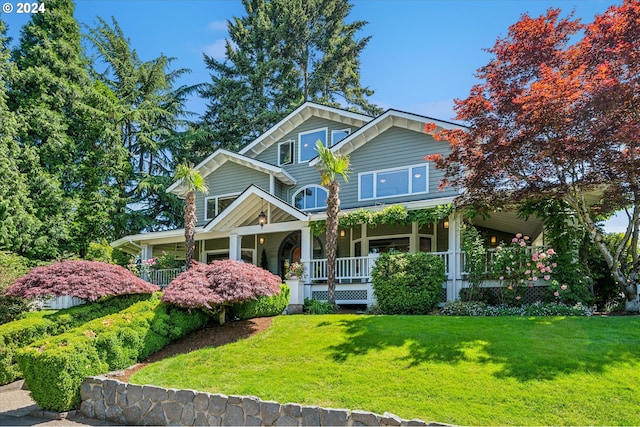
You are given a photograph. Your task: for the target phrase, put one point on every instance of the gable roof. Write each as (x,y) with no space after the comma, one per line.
(220,157)
(244,210)
(387,120)
(299,116)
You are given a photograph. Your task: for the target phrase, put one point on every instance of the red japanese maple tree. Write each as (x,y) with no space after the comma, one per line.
(558,116)
(219,284)
(88,280)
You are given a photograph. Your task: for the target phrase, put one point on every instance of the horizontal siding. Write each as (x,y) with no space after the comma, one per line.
(396,147)
(229,178)
(270,155)
(303,174)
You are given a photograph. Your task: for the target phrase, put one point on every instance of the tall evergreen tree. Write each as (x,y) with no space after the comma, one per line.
(18,225)
(282,53)
(61,108)
(146,112)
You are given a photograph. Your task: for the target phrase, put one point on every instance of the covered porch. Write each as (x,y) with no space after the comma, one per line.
(285,236)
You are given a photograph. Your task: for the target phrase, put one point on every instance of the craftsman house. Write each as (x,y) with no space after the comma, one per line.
(263,201)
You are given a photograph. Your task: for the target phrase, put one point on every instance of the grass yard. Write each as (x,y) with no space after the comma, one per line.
(467,370)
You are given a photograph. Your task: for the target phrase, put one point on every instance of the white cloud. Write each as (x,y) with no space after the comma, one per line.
(217,26)
(216,50)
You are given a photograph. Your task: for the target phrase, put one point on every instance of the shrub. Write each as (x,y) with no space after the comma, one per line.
(313,306)
(263,306)
(464,308)
(408,283)
(38,325)
(54,368)
(88,280)
(220,284)
(474,308)
(519,266)
(100,251)
(12,266)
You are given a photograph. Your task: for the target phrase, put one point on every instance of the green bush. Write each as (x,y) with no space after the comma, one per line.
(12,267)
(475,308)
(408,283)
(263,306)
(313,306)
(40,324)
(55,367)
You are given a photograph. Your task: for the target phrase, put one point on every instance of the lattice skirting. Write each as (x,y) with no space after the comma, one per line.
(352,295)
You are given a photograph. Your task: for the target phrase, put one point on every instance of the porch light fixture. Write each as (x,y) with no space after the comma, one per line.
(342,233)
(494,240)
(445,224)
(262,219)
(261,240)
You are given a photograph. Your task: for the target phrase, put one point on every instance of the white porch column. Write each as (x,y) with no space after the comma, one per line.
(146,251)
(306,251)
(414,241)
(364,240)
(454,284)
(235,245)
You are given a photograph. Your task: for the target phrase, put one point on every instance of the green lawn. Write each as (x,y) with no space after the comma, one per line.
(468,370)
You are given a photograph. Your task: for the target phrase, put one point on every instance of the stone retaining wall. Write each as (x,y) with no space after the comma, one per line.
(130,404)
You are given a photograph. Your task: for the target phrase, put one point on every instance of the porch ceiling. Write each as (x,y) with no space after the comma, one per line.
(509,222)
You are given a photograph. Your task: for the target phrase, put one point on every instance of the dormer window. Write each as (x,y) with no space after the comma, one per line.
(285,153)
(307,143)
(215,205)
(339,135)
(310,197)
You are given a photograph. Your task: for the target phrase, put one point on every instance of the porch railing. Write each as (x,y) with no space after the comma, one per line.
(163,277)
(359,268)
(490,255)
(347,269)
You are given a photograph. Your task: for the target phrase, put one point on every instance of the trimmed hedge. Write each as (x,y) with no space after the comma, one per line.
(263,306)
(408,283)
(54,368)
(40,324)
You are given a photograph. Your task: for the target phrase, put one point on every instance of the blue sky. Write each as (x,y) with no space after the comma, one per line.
(423,53)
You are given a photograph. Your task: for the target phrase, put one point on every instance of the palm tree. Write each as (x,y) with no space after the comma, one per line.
(331,166)
(192,179)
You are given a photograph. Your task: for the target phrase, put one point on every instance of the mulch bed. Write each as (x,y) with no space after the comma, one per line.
(211,336)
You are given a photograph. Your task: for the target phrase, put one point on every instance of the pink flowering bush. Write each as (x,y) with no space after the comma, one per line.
(519,266)
(88,280)
(220,284)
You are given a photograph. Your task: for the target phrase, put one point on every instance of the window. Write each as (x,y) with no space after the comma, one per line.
(393,182)
(215,205)
(285,153)
(312,197)
(307,143)
(339,135)
(387,245)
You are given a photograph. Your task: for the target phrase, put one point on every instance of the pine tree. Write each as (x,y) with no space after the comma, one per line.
(282,53)
(18,225)
(64,126)
(145,112)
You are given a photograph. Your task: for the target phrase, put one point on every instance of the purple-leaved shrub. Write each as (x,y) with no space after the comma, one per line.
(219,284)
(89,280)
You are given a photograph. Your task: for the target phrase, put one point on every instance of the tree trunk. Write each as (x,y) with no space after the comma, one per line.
(628,285)
(189,227)
(222,315)
(333,208)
